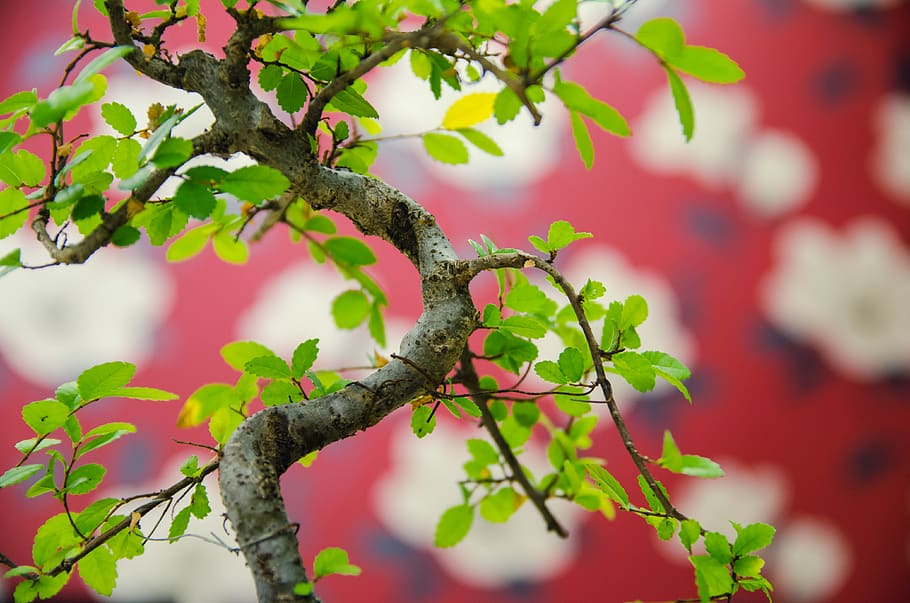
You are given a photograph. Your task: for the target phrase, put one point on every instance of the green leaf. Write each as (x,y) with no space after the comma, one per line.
(85,478)
(172,152)
(268,367)
(102,61)
(707,64)
(572,364)
(682,102)
(561,234)
(526,413)
(301,588)
(572,407)
(349,250)
(255,183)
(524,326)
(8,140)
(453,526)
(753,537)
(190,244)
(100,380)
(303,358)
(749,566)
(635,369)
(206,175)
(499,506)
(712,578)
(634,312)
(60,102)
(717,546)
(653,502)
(125,236)
(689,533)
(469,406)
(179,524)
(119,117)
(19,474)
(576,98)
(663,35)
(699,466)
(95,514)
(320,223)
(194,200)
(104,435)
(608,484)
(582,138)
(671,369)
(53,540)
(143,393)
(666,528)
(445,148)
(44,416)
(351,102)
(98,570)
(280,392)
(21,167)
(526,297)
(491,315)
(199,502)
(12,200)
(238,353)
(270,76)
(350,309)
(125,160)
(482,451)
(333,560)
(508,351)
(292,93)
(18,101)
(506,106)
(229,248)
(423,421)
(481,141)
(550,371)
(86,207)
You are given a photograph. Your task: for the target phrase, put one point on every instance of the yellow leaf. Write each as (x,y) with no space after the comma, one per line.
(469,110)
(191,414)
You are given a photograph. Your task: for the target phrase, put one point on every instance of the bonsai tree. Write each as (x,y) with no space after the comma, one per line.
(312,162)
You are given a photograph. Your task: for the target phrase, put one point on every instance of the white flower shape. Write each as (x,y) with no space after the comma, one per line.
(778,175)
(406,106)
(422,482)
(811,560)
(296,305)
(58,321)
(772,171)
(845,293)
(891,157)
(161,573)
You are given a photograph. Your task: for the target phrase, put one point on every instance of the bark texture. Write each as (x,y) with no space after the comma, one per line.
(266,444)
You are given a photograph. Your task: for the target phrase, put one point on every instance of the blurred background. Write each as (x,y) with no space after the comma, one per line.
(773,251)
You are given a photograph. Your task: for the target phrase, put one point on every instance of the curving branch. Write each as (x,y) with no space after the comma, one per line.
(468,269)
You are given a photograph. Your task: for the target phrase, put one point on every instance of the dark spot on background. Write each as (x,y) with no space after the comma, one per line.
(869,461)
(802,364)
(834,82)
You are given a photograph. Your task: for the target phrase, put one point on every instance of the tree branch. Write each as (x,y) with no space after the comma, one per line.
(470,268)
(539,499)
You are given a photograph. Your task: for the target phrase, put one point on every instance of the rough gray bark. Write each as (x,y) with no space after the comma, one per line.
(265,445)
